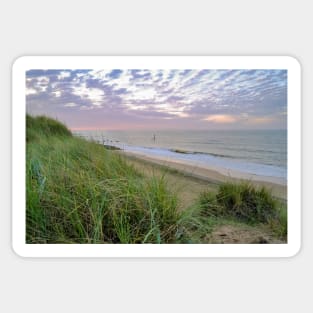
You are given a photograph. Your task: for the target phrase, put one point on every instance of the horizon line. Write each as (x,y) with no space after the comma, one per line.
(175,129)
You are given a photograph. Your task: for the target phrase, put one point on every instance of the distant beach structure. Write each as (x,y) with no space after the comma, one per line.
(153,138)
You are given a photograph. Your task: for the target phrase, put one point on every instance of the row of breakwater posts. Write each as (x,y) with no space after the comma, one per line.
(107,143)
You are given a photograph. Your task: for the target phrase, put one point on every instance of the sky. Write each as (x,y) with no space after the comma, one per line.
(132,99)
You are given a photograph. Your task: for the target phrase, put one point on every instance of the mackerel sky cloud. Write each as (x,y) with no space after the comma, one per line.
(160,99)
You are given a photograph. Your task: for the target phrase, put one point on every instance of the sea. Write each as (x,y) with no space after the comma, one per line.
(256,152)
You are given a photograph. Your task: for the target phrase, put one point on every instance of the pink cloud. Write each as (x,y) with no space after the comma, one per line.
(220,118)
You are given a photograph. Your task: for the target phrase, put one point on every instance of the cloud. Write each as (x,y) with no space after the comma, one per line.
(220,118)
(260,120)
(207,96)
(30,91)
(41,83)
(146,94)
(70,105)
(64,74)
(57,93)
(94,94)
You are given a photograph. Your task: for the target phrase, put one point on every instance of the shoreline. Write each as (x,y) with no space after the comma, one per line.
(226,166)
(214,175)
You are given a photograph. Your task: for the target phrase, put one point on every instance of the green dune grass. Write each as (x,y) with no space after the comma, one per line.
(80,192)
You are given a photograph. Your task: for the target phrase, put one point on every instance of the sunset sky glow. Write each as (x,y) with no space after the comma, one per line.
(160,99)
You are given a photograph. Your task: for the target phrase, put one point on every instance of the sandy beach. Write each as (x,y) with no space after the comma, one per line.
(199,178)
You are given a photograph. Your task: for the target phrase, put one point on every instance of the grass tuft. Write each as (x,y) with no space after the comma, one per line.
(245,203)
(43,126)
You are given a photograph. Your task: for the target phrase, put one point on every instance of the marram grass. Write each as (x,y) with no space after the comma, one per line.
(79,192)
(244,202)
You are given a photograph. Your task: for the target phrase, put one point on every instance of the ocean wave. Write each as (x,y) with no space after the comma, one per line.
(201,152)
